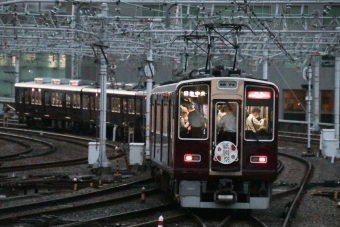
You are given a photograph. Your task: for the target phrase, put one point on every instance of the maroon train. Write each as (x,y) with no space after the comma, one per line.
(196,165)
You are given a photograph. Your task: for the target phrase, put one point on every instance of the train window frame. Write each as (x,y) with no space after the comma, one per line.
(267,107)
(193,97)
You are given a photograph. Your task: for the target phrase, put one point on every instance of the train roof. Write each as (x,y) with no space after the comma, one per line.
(174,85)
(116,91)
(50,86)
(73,85)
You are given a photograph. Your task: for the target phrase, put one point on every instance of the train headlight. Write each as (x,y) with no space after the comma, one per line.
(192,158)
(258,159)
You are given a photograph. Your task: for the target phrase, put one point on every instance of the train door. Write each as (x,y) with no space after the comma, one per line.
(225,128)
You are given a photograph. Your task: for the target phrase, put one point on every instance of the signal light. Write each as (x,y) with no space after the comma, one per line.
(258,159)
(192,158)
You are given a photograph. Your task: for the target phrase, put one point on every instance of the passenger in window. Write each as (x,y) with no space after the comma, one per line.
(184,122)
(227,126)
(196,122)
(221,112)
(252,122)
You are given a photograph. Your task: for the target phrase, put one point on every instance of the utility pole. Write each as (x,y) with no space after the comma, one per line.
(309,110)
(102,160)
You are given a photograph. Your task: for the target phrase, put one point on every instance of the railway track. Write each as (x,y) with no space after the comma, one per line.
(106,197)
(184,217)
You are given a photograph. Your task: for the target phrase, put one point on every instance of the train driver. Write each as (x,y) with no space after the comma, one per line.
(196,122)
(227,125)
(253,123)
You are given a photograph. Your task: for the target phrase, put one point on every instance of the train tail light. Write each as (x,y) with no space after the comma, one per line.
(258,159)
(192,158)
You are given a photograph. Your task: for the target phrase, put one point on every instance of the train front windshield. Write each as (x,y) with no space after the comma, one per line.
(194,112)
(259,113)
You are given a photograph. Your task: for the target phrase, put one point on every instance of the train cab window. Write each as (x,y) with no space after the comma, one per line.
(131,106)
(68,101)
(226,119)
(76,101)
(115,105)
(259,113)
(193,112)
(36,96)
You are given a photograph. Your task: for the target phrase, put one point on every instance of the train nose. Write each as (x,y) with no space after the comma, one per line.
(225,192)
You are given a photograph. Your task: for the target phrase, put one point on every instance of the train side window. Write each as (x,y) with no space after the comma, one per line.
(97,102)
(27,97)
(131,106)
(36,96)
(125,107)
(76,101)
(68,101)
(60,99)
(19,96)
(138,106)
(54,99)
(47,98)
(92,102)
(85,102)
(115,105)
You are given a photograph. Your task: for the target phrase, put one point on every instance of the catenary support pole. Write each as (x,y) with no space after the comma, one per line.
(309,107)
(316,92)
(336,98)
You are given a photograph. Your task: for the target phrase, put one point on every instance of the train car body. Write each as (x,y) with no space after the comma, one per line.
(198,165)
(75,105)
